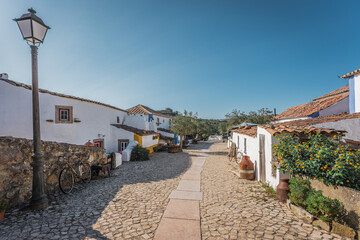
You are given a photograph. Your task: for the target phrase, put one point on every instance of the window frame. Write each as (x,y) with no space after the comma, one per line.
(122,141)
(58,114)
(97,141)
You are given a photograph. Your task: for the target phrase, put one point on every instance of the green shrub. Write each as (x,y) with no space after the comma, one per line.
(323,207)
(299,190)
(139,154)
(319,157)
(3,205)
(313,201)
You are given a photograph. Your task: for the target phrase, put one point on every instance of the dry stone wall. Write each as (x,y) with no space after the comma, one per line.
(16,171)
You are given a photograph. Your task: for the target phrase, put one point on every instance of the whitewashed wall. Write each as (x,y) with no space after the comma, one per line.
(115,135)
(351,126)
(16,118)
(269,141)
(290,119)
(148,141)
(252,148)
(164,122)
(339,107)
(139,121)
(166,134)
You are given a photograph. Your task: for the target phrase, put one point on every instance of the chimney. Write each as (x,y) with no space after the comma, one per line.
(4,76)
(354,91)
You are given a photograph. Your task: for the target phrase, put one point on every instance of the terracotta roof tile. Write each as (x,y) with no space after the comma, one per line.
(318,104)
(351,74)
(343,89)
(164,130)
(308,124)
(250,131)
(300,129)
(141,109)
(138,131)
(29,87)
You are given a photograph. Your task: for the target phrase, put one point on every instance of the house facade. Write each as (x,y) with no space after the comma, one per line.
(69,119)
(337,112)
(335,102)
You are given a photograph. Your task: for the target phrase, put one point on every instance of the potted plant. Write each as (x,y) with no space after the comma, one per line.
(3,206)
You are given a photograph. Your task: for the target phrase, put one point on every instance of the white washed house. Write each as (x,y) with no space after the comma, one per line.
(335,102)
(151,120)
(68,119)
(328,114)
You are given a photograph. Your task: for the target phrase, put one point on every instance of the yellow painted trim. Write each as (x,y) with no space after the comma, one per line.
(138,138)
(151,148)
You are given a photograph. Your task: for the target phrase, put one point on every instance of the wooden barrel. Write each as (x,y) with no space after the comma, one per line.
(247,170)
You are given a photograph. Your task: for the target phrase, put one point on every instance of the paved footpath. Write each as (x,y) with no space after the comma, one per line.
(181,219)
(233,208)
(191,196)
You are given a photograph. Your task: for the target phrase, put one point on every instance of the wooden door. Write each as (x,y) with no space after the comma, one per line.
(262,158)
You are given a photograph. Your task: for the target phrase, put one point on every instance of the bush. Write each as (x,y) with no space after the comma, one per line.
(323,207)
(139,154)
(299,190)
(319,157)
(313,201)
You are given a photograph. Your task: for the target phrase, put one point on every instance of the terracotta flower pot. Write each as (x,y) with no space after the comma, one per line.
(247,170)
(282,190)
(2,215)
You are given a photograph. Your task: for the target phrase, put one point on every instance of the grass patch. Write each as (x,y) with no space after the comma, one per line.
(269,190)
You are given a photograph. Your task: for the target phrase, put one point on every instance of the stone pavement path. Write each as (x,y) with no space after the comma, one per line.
(181,220)
(194,192)
(128,205)
(234,208)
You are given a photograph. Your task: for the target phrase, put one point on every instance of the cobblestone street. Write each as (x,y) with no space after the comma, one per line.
(128,205)
(131,203)
(233,208)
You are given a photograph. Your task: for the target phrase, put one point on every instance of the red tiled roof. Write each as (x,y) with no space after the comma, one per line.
(351,74)
(318,104)
(250,131)
(307,124)
(138,131)
(318,120)
(164,130)
(300,129)
(29,87)
(338,91)
(141,109)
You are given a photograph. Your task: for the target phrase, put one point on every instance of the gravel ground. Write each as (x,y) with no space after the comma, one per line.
(234,208)
(128,205)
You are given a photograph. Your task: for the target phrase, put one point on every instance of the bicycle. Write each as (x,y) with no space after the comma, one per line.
(66,177)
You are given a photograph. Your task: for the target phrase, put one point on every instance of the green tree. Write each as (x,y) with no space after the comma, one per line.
(223,127)
(169,111)
(261,116)
(184,125)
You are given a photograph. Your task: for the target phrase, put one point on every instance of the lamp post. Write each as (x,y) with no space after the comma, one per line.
(33,31)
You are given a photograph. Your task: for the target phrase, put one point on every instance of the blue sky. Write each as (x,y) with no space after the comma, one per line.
(205,56)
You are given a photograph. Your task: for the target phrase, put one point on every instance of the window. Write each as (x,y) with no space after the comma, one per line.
(99,143)
(63,114)
(118,119)
(122,144)
(158,121)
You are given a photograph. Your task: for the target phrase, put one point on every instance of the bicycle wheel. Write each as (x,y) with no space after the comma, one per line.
(86,173)
(66,180)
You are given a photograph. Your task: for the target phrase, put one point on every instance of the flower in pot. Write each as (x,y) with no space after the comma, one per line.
(3,206)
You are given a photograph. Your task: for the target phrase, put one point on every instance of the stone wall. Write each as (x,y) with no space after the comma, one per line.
(350,198)
(16,171)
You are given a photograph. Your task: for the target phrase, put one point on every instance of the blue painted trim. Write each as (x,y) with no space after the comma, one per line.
(352,94)
(314,115)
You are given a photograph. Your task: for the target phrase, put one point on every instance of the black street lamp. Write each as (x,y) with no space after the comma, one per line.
(34,30)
